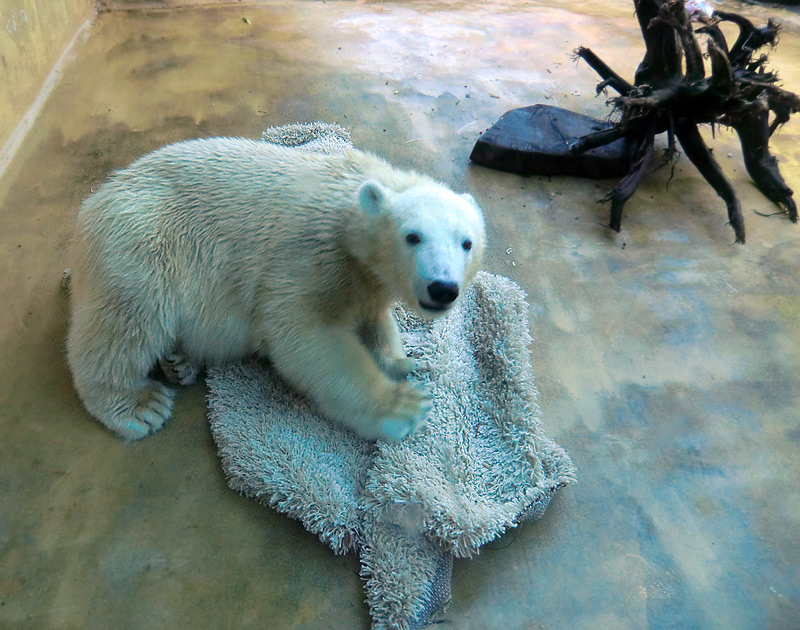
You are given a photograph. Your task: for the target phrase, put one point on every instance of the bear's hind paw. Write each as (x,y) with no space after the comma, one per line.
(177,369)
(149,415)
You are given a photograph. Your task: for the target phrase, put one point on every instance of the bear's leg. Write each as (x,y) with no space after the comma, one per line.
(177,368)
(382,337)
(110,360)
(337,371)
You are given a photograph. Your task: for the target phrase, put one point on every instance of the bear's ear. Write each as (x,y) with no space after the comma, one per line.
(371,198)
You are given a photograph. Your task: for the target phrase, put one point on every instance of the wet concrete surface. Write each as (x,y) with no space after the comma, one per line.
(667,358)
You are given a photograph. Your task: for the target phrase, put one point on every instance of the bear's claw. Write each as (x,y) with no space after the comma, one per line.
(177,369)
(398,369)
(153,410)
(410,412)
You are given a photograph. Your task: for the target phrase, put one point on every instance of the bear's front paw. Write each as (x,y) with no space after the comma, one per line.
(398,369)
(410,410)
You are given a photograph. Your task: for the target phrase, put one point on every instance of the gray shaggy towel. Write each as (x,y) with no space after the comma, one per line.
(480,466)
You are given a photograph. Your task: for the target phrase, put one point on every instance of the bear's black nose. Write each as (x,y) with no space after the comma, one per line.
(443,292)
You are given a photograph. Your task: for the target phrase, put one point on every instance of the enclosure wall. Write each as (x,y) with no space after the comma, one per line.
(35,34)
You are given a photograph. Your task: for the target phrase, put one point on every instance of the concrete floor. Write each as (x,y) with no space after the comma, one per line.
(667,358)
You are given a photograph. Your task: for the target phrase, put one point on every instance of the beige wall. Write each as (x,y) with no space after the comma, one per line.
(33,34)
(137,4)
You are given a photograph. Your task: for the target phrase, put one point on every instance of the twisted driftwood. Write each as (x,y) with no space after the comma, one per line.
(672,93)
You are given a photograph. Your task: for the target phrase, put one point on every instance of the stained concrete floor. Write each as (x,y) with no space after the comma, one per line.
(667,358)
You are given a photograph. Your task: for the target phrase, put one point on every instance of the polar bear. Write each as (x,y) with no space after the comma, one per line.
(211,250)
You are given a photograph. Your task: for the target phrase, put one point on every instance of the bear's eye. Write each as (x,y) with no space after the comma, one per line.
(467,245)
(413,238)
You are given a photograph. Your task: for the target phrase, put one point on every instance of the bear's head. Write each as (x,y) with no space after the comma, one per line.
(427,243)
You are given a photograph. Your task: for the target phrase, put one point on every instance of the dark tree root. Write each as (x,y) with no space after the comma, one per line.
(598,139)
(700,155)
(641,164)
(671,93)
(761,165)
(610,78)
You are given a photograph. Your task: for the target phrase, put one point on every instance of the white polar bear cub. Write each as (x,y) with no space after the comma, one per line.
(208,251)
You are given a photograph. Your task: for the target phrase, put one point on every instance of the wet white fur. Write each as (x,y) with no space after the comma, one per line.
(208,251)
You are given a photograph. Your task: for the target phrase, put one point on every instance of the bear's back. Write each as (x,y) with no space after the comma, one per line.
(219,171)
(229,205)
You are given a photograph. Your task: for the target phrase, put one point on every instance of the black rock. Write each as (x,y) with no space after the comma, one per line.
(534,141)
